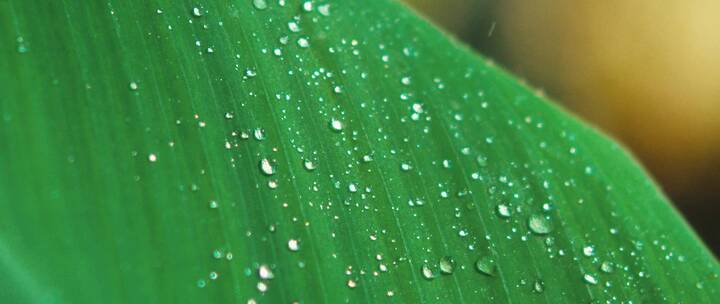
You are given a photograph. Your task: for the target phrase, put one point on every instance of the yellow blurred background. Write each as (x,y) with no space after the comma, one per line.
(646,71)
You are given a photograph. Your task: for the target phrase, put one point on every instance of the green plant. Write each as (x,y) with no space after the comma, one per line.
(228,151)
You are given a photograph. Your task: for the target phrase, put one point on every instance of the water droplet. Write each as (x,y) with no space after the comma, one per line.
(197,12)
(607,267)
(538,224)
(307,6)
(503,210)
(262,287)
(324,9)
(21,47)
(427,272)
(260,4)
(213,275)
(217,253)
(265,273)
(405,80)
(293,245)
(152,157)
(589,251)
(539,286)
(259,134)
(309,165)
(214,204)
(590,279)
(486,265)
(266,167)
(303,42)
(133,86)
(447,265)
(351,283)
(336,125)
(201,283)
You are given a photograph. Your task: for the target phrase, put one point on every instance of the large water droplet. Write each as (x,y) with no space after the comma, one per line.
(486,265)
(447,265)
(260,4)
(336,125)
(293,245)
(538,224)
(503,210)
(539,286)
(427,272)
(590,279)
(265,273)
(266,167)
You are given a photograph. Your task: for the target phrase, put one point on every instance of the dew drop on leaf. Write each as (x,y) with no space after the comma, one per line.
(336,125)
(266,167)
(427,273)
(293,245)
(539,286)
(503,210)
(265,273)
(133,86)
(309,165)
(607,267)
(486,265)
(260,4)
(446,265)
(590,279)
(538,224)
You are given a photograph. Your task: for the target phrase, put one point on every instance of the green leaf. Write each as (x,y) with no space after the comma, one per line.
(321,152)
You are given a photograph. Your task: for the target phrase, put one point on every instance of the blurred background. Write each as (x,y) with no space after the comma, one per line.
(646,71)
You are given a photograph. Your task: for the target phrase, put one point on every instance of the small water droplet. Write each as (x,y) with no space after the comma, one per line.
(133,86)
(213,275)
(214,204)
(152,157)
(197,12)
(259,134)
(589,250)
(201,283)
(538,224)
(351,283)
